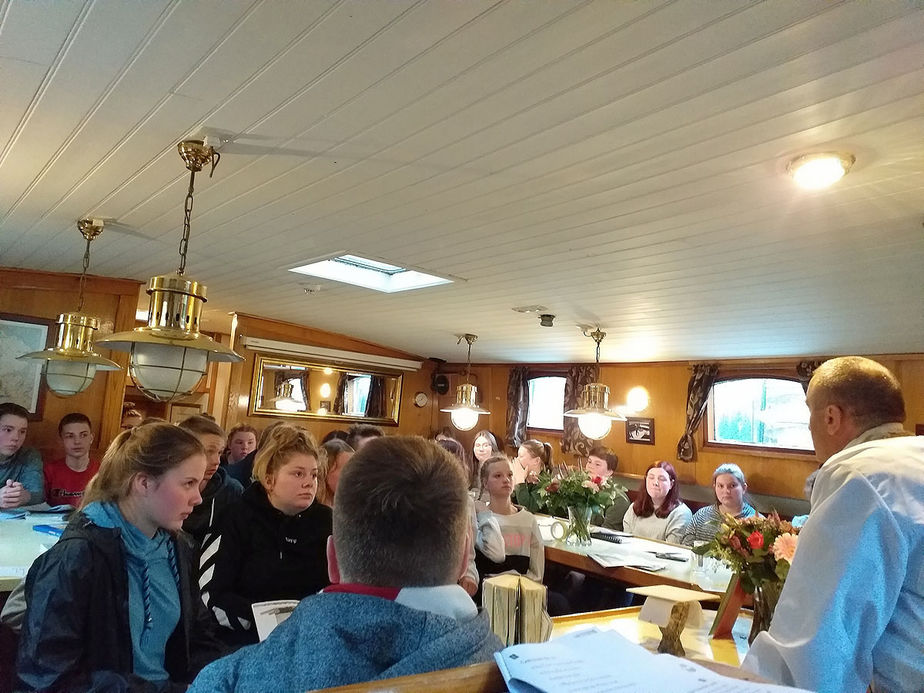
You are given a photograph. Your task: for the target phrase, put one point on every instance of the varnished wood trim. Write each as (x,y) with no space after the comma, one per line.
(36,280)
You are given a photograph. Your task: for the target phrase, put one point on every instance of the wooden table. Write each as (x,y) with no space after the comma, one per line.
(635,550)
(20,545)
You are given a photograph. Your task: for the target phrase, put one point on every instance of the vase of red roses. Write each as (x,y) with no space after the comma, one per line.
(578,494)
(759,550)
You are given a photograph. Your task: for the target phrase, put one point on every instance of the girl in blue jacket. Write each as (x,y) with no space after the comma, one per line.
(115,605)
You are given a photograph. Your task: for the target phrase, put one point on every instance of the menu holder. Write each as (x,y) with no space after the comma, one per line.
(727,614)
(671,608)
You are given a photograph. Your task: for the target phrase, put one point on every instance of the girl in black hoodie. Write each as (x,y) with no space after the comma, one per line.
(272,543)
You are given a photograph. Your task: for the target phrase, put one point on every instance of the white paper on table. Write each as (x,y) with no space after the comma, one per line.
(595,661)
(711,682)
(586,661)
(615,561)
(268,615)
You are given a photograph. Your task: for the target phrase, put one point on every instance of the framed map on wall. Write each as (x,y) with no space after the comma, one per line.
(21,380)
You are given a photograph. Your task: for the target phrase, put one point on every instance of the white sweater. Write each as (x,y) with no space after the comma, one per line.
(670,528)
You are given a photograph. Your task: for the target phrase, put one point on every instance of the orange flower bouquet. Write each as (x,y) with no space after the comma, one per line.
(760,551)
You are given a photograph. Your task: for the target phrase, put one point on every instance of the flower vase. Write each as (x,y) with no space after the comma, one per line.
(765,598)
(578,525)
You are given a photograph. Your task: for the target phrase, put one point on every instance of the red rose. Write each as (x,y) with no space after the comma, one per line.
(597,480)
(756,540)
(553,487)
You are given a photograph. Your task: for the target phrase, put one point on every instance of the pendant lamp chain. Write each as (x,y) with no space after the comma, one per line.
(597,335)
(89,229)
(194,161)
(83,275)
(470,339)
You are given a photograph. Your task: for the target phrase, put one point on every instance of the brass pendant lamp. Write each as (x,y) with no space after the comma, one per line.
(464,412)
(169,356)
(71,364)
(594,415)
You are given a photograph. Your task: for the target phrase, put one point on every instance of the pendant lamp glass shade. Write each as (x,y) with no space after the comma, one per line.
(168,356)
(71,364)
(464,419)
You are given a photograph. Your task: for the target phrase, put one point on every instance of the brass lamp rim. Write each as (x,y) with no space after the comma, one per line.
(616,416)
(75,356)
(123,341)
(462,405)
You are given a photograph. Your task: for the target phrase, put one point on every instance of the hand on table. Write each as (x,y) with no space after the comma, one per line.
(13,494)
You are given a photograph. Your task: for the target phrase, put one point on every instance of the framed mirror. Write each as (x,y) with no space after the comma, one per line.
(289,387)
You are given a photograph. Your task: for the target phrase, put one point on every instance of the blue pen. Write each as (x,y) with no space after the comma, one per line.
(49,529)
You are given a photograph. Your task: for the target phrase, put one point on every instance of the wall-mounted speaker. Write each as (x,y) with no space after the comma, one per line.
(439,383)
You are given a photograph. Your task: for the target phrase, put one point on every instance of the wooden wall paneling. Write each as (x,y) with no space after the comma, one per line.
(911,375)
(117,380)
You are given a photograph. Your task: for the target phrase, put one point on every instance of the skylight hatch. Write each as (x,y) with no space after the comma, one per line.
(370,274)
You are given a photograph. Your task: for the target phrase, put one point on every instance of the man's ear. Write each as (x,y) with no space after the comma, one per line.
(333,568)
(834,419)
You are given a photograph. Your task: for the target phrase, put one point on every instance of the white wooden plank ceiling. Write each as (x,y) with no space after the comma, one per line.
(622,163)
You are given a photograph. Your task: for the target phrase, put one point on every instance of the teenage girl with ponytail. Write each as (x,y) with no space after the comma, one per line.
(271,544)
(114,604)
(533,457)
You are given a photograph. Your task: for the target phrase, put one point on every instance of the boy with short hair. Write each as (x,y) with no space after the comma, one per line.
(361,433)
(602,462)
(242,440)
(68,476)
(20,468)
(394,608)
(218,489)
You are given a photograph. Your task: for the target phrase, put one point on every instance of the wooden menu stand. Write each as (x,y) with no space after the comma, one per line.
(732,601)
(670,634)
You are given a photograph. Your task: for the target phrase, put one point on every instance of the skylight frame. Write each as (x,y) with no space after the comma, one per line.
(369,273)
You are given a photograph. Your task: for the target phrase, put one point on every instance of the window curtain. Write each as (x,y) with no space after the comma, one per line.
(340,399)
(805,370)
(279,379)
(306,391)
(701,382)
(517,405)
(375,402)
(572,440)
